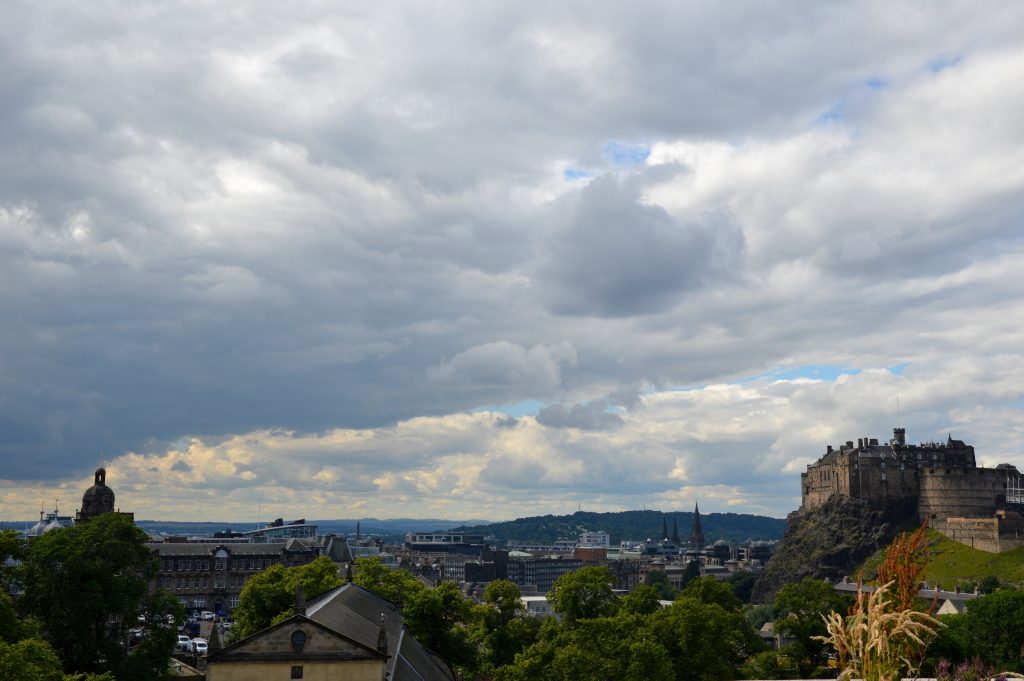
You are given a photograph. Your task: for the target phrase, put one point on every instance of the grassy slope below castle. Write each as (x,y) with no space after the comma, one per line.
(953,562)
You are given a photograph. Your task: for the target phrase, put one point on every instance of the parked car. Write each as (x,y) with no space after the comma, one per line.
(184,643)
(199,646)
(207,615)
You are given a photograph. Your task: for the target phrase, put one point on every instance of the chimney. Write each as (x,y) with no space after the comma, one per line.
(300,601)
(860,443)
(899,436)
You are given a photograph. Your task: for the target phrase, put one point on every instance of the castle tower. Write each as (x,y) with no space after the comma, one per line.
(697,533)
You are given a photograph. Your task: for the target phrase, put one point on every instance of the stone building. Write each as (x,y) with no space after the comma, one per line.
(942,481)
(345,633)
(210,576)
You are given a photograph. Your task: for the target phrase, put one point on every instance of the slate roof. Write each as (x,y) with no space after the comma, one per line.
(355,612)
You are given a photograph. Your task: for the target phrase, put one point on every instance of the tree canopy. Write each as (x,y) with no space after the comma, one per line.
(270,594)
(86,586)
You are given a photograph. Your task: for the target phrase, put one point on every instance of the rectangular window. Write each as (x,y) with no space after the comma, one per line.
(297,671)
(220,564)
(188,583)
(252,565)
(233,602)
(179,565)
(188,565)
(177,583)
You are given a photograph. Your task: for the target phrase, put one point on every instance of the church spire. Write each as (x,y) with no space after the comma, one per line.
(675,530)
(697,533)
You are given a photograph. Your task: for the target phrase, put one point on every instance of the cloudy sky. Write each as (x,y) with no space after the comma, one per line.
(485,260)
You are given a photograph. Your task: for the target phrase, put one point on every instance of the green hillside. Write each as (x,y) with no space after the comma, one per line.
(952,562)
(633,525)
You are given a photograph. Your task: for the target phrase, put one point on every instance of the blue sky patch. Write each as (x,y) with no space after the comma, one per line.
(572,173)
(833,115)
(516,409)
(626,154)
(943,62)
(877,83)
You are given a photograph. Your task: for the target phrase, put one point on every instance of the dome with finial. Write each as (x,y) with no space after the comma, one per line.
(99,498)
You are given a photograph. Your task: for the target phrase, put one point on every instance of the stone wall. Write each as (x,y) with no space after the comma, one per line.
(952,493)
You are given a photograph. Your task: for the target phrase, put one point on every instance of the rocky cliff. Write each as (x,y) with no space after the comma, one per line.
(830,541)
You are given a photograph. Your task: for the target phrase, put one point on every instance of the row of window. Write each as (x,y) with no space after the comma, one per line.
(220,564)
(186,583)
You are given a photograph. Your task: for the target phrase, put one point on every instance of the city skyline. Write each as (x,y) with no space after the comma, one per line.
(498,261)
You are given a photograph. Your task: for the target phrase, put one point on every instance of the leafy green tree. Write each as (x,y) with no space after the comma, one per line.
(691,573)
(643,600)
(505,597)
(768,665)
(29,660)
(13,547)
(87,585)
(583,594)
(710,590)
(802,605)
(395,585)
(270,595)
(994,629)
(658,580)
(988,584)
(704,640)
(438,618)
(742,584)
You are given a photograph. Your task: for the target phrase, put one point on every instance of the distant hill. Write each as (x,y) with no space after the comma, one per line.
(388,528)
(636,525)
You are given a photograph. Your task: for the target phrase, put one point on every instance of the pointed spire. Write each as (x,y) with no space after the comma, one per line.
(358,533)
(675,530)
(382,636)
(697,533)
(664,527)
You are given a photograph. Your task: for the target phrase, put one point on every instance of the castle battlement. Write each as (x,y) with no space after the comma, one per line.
(942,477)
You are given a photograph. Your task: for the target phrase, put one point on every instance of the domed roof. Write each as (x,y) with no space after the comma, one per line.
(54,525)
(98,493)
(37,529)
(721,542)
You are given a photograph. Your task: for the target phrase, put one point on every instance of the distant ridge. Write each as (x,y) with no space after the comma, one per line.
(637,525)
(388,528)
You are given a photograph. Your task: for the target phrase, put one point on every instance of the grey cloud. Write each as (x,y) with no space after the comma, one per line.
(586,416)
(215,220)
(620,257)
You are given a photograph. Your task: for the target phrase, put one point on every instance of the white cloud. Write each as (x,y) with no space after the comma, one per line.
(310,245)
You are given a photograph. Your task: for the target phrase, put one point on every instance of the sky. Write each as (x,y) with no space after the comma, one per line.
(490,260)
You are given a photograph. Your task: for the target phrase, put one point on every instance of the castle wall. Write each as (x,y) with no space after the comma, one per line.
(959,492)
(1001,532)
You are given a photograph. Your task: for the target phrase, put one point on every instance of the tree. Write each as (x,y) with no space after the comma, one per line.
(643,600)
(994,629)
(87,585)
(505,596)
(658,580)
(742,584)
(394,585)
(269,596)
(802,605)
(29,660)
(583,594)
(710,590)
(704,640)
(436,617)
(11,546)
